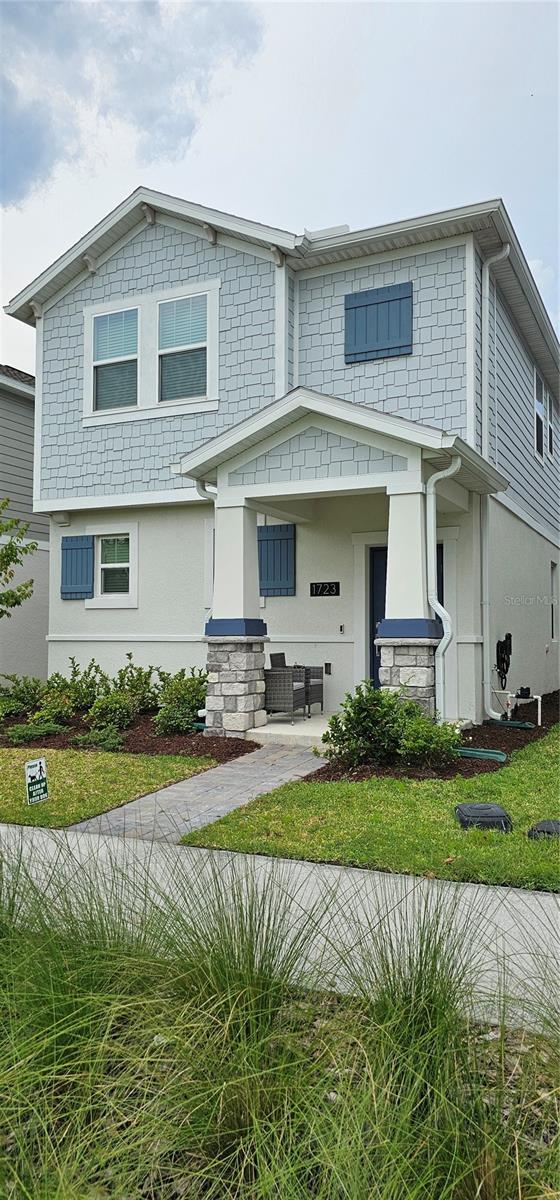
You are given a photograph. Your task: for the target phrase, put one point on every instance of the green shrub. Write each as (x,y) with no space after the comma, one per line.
(10,708)
(116,709)
(378,726)
(57,706)
(18,735)
(181,697)
(83,687)
(26,690)
(423,741)
(107,738)
(139,684)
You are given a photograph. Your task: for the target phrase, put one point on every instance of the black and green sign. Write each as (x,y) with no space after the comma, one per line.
(36,781)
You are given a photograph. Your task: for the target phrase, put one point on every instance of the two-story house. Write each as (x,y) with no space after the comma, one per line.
(23,646)
(340,445)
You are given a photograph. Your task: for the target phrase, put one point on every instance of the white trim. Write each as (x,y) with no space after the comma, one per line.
(280,331)
(129,500)
(251,249)
(537,375)
(296,332)
(123,599)
(23,390)
(147,305)
(469,639)
(371,260)
(285,639)
(38,413)
(538,526)
(209,527)
(470,317)
(100,261)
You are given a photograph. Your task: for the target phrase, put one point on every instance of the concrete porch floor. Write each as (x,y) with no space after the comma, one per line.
(304,733)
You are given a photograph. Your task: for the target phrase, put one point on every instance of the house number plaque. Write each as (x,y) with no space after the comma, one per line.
(324,589)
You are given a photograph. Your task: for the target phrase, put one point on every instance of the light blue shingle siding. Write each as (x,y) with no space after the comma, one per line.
(532,483)
(316,454)
(427,385)
(478,352)
(291,330)
(136,456)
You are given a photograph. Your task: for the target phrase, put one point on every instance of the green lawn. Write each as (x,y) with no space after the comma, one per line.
(407,825)
(83,783)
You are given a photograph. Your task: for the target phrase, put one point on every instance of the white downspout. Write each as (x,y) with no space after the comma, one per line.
(484,500)
(204,493)
(431,554)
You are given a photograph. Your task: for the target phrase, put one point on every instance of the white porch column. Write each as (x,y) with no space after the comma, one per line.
(408,635)
(236,570)
(235,632)
(406,596)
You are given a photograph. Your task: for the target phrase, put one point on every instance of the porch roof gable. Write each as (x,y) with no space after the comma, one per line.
(438,447)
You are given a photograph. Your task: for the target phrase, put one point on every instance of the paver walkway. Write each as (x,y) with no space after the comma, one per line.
(169,813)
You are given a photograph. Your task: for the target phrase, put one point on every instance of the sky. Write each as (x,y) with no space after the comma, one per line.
(296,115)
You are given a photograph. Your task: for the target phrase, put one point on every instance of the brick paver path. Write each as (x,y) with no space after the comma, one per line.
(169,813)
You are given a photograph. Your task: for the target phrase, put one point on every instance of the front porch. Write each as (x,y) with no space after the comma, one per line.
(375,541)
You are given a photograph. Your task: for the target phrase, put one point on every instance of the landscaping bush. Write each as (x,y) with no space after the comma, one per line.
(10,708)
(25,690)
(107,738)
(116,709)
(57,706)
(84,687)
(139,684)
(18,735)
(423,741)
(181,698)
(378,726)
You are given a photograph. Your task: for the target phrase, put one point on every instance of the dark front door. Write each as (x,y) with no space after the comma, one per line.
(377,590)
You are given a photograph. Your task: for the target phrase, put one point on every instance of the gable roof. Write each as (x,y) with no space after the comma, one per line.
(202,464)
(488,221)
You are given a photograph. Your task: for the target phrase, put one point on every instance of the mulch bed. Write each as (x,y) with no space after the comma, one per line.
(480,737)
(141,738)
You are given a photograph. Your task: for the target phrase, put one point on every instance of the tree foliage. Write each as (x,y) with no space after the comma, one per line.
(13,549)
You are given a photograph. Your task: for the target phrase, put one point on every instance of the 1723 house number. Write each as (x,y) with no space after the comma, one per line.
(324,589)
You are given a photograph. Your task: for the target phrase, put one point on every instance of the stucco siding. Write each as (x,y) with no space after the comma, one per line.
(135,456)
(428,385)
(533,482)
(23,636)
(16,461)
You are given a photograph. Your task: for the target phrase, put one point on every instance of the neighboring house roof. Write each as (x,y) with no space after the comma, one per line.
(488,221)
(476,473)
(19,382)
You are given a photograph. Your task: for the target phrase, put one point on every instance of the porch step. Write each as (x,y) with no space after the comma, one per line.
(303,733)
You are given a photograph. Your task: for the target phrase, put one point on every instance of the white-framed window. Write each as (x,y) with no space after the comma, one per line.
(115,565)
(115,360)
(549,427)
(182,348)
(540,416)
(153,354)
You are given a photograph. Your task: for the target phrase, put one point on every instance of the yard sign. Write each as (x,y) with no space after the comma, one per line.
(36,781)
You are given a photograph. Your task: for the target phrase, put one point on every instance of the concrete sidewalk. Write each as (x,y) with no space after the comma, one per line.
(169,813)
(503,931)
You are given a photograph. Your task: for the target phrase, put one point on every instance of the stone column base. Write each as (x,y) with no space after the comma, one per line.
(235,697)
(408,665)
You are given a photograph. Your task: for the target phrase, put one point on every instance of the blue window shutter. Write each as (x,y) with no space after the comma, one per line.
(378,323)
(277,560)
(76,581)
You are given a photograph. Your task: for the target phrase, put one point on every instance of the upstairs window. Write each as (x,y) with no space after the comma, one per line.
(114,565)
(182,348)
(115,360)
(378,323)
(540,415)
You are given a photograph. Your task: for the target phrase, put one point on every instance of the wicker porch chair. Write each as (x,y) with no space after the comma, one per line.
(285,690)
(313,687)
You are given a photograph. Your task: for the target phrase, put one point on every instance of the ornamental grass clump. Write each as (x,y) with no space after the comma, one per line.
(379,726)
(173,1030)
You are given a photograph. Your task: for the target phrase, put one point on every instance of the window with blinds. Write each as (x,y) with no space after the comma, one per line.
(182,348)
(115,360)
(114,565)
